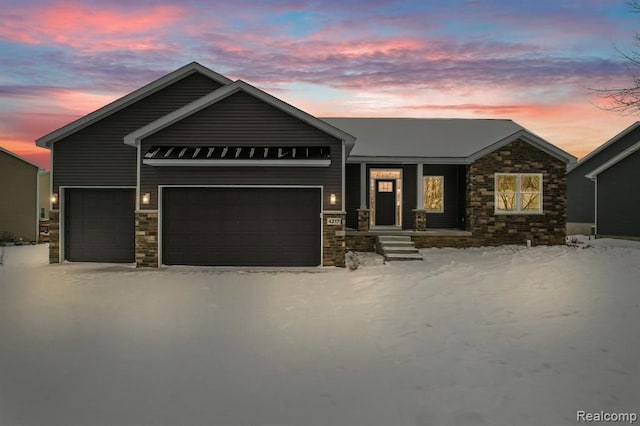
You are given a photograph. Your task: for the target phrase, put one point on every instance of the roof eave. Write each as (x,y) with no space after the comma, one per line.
(530,138)
(17,157)
(605,145)
(406,160)
(614,160)
(115,106)
(135,137)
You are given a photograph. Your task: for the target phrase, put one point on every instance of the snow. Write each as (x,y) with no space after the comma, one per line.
(481,336)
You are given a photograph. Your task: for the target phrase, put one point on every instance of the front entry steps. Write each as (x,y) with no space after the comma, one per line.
(397,248)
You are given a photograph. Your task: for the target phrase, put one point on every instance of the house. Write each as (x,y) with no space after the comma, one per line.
(581,189)
(21,195)
(617,208)
(197,169)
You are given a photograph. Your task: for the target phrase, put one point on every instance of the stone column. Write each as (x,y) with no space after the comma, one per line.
(363,219)
(333,238)
(54,236)
(419,219)
(147,238)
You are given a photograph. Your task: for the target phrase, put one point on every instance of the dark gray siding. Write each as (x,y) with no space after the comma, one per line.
(454,199)
(581,191)
(242,119)
(97,154)
(352,196)
(618,198)
(409,194)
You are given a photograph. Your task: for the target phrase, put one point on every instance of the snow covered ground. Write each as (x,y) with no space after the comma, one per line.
(488,336)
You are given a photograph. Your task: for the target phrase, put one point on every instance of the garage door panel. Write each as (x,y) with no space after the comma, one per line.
(100,225)
(241,226)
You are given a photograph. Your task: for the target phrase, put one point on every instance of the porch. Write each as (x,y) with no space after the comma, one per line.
(366,240)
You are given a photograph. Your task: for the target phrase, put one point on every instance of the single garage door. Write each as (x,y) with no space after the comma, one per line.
(99,225)
(241,226)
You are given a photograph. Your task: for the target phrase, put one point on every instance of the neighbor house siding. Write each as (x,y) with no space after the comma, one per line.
(352,196)
(496,229)
(619,199)
(97,154)
(239,120)
(18,198)
(581,190)
(454,186)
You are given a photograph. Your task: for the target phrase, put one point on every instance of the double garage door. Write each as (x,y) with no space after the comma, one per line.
(241,226)
(200,226)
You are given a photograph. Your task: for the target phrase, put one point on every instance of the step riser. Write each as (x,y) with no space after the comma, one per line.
(386,250)
(394,239)
(397,248)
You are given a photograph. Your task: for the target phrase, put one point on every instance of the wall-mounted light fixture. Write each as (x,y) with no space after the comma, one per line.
(332,199)
(146,197)
(54,198)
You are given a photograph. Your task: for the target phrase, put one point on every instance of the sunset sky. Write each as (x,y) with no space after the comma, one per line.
(536,62)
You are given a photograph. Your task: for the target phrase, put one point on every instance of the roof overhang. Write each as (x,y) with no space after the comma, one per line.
(530,138)
(224,92)
(133,97)
(522,135)
(17,157)
(408,160)
(605,145)
(614,160)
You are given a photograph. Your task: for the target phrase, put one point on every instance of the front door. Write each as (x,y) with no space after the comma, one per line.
(385,202)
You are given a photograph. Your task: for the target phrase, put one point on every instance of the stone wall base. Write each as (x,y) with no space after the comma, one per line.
(333,239)
(54,236)
(147,239)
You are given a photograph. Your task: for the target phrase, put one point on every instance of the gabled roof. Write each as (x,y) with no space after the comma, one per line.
(6,151)
(605,145)
(614,160)
(129,99)
(453,141)
(222,93)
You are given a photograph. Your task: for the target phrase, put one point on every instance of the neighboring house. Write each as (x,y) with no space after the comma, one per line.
(617,203)
(581,190)
(197,169)
(19,195)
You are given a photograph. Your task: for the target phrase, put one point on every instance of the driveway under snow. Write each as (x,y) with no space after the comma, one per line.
(489,336)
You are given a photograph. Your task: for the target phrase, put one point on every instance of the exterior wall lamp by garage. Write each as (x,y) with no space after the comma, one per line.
(332,199)
(146,198)
(54,198)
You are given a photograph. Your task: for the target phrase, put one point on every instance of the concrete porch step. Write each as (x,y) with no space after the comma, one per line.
(400,249)
(400,256)
(397,247)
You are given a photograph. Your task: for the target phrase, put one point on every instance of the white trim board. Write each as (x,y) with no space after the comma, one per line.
(614,160)
(223,93)
(48,140)
(236,163)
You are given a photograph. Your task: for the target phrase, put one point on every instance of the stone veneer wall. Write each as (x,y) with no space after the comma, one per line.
(333,240)
(147,239)
(496,229)
(363,219)
(419,219)
(54,236)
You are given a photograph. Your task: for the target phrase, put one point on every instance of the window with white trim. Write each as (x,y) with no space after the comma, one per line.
(518,193)
(433,194)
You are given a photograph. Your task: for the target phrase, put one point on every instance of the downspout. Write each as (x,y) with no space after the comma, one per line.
(595,213)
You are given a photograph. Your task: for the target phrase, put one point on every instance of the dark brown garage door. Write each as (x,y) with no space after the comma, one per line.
(241,226)
(99,225)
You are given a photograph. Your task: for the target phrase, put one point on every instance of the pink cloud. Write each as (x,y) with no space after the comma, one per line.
(81,27)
